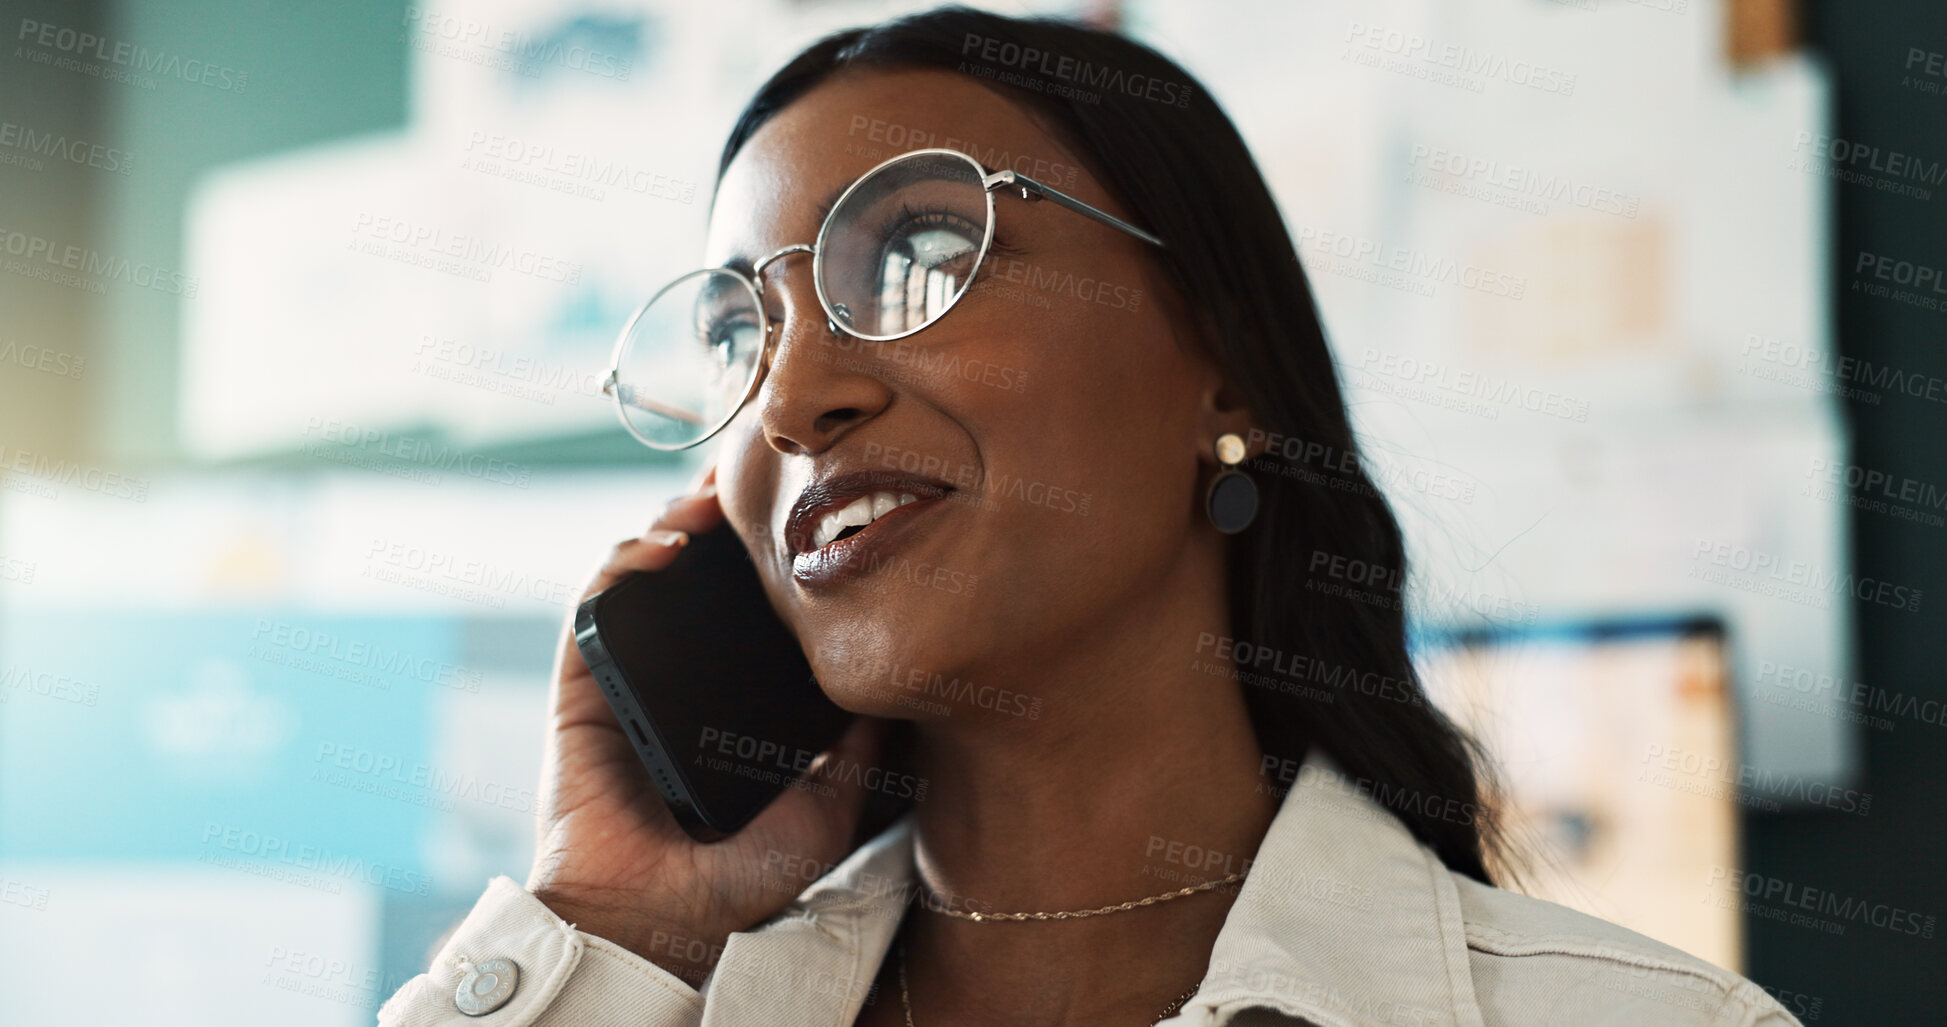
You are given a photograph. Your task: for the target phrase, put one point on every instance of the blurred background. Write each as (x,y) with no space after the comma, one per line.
(304,310)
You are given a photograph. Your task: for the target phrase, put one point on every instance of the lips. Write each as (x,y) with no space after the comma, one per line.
(829,512)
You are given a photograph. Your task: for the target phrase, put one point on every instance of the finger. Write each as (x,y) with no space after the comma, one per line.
(708,476)
(697,511)
(652,551)
(655,548)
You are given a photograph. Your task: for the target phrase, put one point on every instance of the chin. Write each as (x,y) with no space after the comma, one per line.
(890,668)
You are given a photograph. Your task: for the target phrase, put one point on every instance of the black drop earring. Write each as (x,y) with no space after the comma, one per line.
(1231,502)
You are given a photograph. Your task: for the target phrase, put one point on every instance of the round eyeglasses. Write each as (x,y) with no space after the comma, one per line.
(899,248)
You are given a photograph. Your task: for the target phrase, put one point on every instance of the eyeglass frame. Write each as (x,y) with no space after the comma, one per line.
(1030,191)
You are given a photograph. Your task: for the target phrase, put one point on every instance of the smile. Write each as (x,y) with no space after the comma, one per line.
(841,521)
(854,516)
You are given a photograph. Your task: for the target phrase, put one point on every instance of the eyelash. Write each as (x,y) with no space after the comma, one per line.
(908,214)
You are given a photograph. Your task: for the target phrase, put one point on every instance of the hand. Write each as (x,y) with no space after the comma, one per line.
(611,858)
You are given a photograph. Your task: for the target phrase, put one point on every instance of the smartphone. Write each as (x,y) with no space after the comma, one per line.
(708,684)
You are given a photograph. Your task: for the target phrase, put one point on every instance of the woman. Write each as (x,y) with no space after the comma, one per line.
(1227,834)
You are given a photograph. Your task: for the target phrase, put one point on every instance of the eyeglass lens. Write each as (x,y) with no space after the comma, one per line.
(902,245)
(687,359)
(897,251)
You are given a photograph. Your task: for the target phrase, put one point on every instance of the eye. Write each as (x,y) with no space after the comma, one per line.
(921,241)
(925,260)
(727,340)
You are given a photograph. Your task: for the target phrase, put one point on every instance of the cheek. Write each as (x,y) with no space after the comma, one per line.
(1142,467)
(1113,406)
(747,486)
(1104,480)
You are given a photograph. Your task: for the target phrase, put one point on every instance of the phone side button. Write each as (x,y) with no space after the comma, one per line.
(589,641)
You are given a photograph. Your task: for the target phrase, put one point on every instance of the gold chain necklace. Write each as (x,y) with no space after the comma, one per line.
(906,999)
(1076,914)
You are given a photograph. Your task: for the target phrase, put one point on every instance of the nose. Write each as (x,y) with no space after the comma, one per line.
(818,384)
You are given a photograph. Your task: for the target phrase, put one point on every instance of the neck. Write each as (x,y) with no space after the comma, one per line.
(1140,777)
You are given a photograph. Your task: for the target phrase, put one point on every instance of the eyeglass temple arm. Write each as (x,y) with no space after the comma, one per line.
(613,388)
(1030,186)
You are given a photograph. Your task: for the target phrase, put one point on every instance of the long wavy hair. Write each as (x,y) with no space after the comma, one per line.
(1161,145)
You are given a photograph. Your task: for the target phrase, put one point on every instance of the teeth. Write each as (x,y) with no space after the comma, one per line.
(858,513)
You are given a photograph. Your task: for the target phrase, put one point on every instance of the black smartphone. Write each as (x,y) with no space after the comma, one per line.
(708,684)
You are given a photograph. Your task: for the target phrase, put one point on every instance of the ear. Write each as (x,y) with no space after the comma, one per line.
(1224,412)
(1222,408)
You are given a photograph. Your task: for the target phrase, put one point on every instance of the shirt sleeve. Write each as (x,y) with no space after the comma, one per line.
(563,977)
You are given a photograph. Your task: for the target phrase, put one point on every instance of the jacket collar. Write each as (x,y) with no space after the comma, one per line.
(1344,921)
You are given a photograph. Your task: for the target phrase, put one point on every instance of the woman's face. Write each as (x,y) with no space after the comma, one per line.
(1050,424)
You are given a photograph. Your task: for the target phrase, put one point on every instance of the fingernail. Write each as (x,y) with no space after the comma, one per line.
(664,537)
(705,492)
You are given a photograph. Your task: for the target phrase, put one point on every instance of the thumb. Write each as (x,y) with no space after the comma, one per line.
(832,795)
(844,765)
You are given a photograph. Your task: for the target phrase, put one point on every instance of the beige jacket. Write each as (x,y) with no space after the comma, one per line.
(1344,921)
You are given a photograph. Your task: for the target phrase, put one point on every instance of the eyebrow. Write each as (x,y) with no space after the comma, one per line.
(831,200)
(742,262)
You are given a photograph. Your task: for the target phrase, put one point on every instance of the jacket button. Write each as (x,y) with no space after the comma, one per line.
(487,986)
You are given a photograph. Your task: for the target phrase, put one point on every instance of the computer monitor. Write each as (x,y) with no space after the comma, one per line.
(1585,721)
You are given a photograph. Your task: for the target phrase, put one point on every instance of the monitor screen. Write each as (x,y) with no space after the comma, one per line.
(1614,741)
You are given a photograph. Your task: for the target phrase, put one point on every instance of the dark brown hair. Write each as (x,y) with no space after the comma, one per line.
(1175,160)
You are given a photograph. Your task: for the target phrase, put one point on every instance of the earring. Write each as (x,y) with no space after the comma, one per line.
(1231,502)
